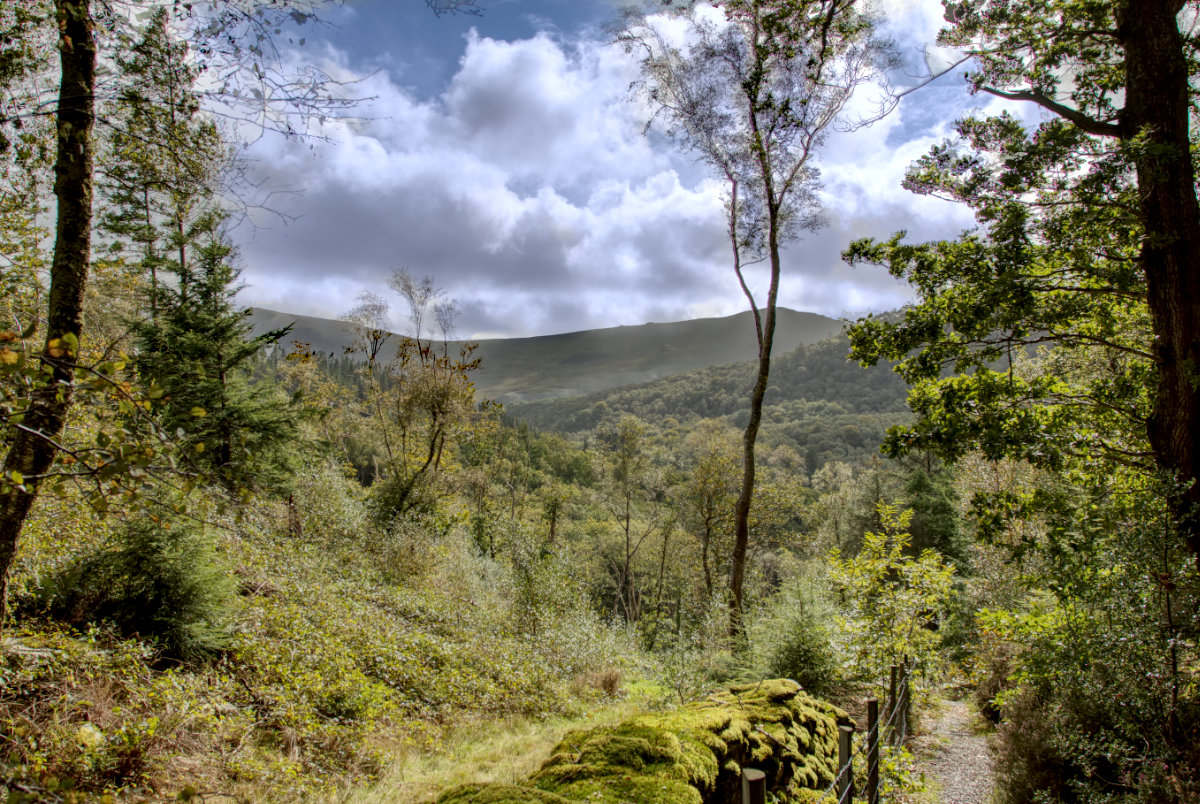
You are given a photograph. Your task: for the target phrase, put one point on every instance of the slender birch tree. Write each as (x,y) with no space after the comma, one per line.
(753,88)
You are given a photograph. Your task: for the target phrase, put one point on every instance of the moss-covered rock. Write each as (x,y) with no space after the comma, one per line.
(693,755)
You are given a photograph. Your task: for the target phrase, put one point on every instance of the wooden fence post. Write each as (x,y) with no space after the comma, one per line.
(845,765)
(872,751)
(754,786)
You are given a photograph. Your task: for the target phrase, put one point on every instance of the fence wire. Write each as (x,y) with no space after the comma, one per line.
(897,706)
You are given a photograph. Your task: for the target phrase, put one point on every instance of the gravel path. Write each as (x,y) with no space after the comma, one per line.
(956,757)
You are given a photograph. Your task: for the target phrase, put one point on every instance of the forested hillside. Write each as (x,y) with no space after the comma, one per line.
(819,404)
(233,568)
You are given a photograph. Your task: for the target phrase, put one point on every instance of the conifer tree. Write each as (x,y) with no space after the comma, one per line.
(245,72)
(164,161)
(198,350)
(163,194)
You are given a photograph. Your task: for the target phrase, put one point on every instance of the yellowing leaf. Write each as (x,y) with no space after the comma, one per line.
(199,413)
(8,357)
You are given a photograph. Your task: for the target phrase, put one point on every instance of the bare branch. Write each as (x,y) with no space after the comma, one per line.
(440,7)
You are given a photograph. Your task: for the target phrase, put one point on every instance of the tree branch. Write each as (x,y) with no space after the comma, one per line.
(1088,124)
(929,79)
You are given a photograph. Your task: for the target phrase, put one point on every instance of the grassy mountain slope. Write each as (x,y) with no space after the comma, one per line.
(515,370)
(813,373)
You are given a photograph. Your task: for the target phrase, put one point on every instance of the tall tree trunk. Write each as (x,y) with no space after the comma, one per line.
(662,572)
(741,532)
(33,445)
(1157,96)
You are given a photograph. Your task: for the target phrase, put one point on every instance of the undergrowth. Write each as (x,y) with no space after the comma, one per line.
(331,665)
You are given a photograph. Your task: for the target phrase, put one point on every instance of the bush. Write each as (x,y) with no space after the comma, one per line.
(405,552)
(158,581)
(794,639)
(84,716)
(329,504)
(1087,709)
(804,654)
(400,495)
(991,668)
(894,599)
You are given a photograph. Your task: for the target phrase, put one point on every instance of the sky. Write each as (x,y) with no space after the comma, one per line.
(501,156)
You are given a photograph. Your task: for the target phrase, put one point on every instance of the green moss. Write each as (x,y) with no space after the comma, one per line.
(775,690)
(695,754)
(625,788)
(630,745)
(699,763)
(498,794)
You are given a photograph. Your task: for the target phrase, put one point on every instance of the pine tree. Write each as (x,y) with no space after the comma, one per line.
(164,160)
(69,29)
(198,350)
(162,193)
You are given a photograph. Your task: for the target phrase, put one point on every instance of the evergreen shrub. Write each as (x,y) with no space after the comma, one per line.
(794,638)
(159,581)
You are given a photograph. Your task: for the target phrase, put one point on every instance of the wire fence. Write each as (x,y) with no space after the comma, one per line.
(881,739)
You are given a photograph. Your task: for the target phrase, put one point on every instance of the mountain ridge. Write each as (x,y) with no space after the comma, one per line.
(529,369)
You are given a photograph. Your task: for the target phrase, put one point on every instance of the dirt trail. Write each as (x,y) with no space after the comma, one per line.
(954,756)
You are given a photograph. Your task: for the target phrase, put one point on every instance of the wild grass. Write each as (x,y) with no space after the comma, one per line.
(504,750)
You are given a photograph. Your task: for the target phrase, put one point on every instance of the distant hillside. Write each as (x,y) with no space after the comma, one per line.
(813,372)
(818,403)
(321,334)
(515,370)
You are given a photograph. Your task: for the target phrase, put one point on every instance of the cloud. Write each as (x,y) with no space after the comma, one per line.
(528,190)
(528,178)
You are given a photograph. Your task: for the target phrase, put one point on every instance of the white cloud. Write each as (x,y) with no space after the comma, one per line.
(528,191)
